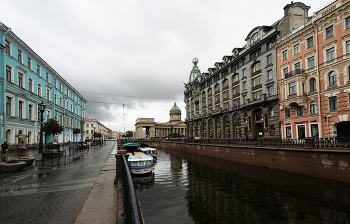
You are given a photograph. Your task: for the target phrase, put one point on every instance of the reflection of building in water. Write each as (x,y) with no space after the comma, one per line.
(148,128)
(176,168)
(143,182)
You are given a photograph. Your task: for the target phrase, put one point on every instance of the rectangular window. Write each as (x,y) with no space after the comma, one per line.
(300,110)
(20,80)
(285,73)
(244,72)
(284,55)
(48,95)
(7,47)
(30,85)
(348,47)
(270,90)
(235,89)
(61,87)
(292,88)
(297,49)
(314,130)
(244,85)
(19,57)
(257,95)
(257,80)
(8,73)
(39,90)
(310,42)
(333,105)
(38,70)
(347,23)
(8,106)
(269,75)
(20,109)
(269,59)
(311,62)
(297,67)
(329,32)
(288,132)
(330,54)
(29,63)
(313,107)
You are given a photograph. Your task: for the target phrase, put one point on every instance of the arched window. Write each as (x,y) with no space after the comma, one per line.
(218,128)
(236,126)
(226,126)
(256,67)
(312,84)
(211,128)
(235,78)
(332,77)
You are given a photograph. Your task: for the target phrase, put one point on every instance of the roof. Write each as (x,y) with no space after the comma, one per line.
(175,108)
(131,144)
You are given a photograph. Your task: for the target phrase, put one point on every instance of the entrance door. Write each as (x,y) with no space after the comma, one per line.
(301,131)
(259,130)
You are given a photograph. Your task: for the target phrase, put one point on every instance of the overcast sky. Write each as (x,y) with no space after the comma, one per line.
(136,53)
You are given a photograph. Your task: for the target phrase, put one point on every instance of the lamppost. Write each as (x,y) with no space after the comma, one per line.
(41,109)
(81,131)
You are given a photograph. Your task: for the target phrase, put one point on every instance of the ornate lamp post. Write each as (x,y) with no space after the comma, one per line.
(41,109)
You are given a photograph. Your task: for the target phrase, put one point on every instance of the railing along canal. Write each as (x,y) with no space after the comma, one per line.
(132,210)
(331,143)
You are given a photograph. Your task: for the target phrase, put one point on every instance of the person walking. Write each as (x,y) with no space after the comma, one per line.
(22,146)
(4,147)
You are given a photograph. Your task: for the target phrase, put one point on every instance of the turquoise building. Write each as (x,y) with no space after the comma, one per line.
(26,80)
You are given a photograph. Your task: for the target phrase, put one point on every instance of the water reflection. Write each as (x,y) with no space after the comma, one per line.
(143,182)
(196,189)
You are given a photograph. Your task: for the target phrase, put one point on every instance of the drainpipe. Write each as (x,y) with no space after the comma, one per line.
(3,71)
(318,78)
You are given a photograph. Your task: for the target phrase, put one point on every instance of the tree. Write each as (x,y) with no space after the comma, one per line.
(97,135)
(52,127)
(129,134)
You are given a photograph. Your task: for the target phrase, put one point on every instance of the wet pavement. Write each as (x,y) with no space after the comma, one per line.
(77,188)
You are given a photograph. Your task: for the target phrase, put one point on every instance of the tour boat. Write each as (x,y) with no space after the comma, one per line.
(138,162)
(146,149)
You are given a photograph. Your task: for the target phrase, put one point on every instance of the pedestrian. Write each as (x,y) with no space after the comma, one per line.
(4,147)
(22,146)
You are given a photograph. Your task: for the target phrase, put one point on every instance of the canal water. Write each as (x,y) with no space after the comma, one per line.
(188,188)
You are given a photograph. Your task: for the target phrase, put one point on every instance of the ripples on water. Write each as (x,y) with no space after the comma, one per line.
(187,188)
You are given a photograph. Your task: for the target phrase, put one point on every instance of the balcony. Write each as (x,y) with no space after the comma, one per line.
(294,72)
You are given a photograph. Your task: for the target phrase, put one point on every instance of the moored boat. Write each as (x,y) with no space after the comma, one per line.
(146,149)
(138,162)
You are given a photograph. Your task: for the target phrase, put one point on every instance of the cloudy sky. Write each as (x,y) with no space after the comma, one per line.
(136,53)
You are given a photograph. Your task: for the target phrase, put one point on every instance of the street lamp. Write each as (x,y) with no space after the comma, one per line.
(41,107)
(81,131)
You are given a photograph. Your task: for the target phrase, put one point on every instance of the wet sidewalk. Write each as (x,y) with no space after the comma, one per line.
(77,188)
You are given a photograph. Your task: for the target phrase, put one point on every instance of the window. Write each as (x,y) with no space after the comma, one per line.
(311,62)
(297,67)
(347,23)
(257,95)
(269,59)
(8,106)
(329,32)
(330,54)
(244,72)
(30,112)
(30,85)
(244,85)
(287,112)
(235,78)
(310,42)
(20,80)
(333,105)
(19,58)
(236,89)
(284,55)
(292,88)
(48,95)
(314,130)
(61,87)
(38,70)
(312,84)
(270,90)
(235,102)
(300,110)
(20,109)
(257,80)
(288,132)
(29,63)
(296,49)
(254,38)
(8,73)
(332,79)
(348,47)
(47,77)
(39,90)
(269,75)
(256,67)
(313,107)
(285,73)
(7,47)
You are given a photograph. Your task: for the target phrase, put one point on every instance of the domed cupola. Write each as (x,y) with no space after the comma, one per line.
(195,71)
(175,113)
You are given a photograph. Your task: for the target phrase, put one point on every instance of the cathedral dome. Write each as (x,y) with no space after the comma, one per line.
(175,109)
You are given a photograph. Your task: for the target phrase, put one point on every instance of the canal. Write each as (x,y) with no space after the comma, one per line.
(188,188)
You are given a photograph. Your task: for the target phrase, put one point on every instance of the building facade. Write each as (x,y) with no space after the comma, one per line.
(92,125)
(27,80)
(238,97)
(314,75)
(148,128)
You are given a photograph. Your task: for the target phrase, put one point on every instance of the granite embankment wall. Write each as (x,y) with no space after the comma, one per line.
(321,163)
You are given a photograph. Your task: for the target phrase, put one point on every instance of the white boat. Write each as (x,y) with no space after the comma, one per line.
(138,162)
(146,149)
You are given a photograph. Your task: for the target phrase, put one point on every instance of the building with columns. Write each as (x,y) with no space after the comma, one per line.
(148,128)
(313,65)
(238,97)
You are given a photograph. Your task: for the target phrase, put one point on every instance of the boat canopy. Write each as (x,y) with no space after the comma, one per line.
(140,158)
(131,144)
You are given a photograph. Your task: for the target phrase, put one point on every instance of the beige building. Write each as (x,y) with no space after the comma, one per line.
(148,128)
(92,125)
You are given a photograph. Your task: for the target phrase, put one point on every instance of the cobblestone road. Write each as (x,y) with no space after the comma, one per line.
(54,192)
